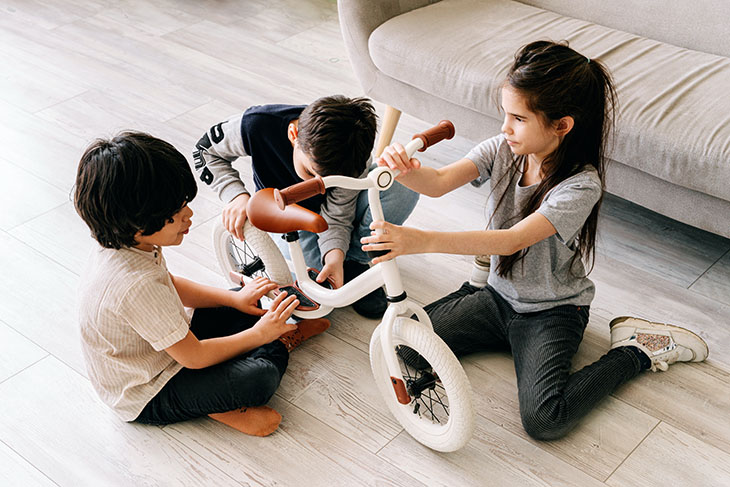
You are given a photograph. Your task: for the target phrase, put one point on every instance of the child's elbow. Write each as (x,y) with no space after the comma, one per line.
(515,242)
(434,192)
(194,364)
(194,361)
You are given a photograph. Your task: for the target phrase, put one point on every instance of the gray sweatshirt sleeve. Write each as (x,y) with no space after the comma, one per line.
(214,154)
(338,210)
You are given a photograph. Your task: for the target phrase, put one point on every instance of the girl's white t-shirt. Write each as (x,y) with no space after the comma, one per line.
(548,275)
(129,313)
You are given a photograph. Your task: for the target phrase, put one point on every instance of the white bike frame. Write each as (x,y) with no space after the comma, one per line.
(385,273)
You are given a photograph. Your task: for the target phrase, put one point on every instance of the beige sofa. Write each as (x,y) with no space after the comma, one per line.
(670,60)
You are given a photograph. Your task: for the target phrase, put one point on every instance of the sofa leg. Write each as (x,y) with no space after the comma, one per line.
(390,122)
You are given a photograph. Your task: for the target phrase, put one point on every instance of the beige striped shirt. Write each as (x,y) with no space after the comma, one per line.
(129,313)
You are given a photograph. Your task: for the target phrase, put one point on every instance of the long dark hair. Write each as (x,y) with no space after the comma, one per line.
(556,81)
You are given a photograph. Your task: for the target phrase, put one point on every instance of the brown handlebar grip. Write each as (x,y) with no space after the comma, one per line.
(443,130)
(298,192)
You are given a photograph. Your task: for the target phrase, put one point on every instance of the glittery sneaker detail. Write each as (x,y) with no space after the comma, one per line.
(663,344)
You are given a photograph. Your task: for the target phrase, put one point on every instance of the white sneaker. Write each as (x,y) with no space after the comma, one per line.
(480,271)
(664,344)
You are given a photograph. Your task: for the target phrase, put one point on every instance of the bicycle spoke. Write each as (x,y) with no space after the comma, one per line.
(433,403)
(428,403)
(242,256)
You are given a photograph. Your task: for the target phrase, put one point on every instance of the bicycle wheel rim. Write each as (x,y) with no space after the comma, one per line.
(441,414)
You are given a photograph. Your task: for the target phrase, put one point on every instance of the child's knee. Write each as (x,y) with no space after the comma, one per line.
(541,425)
(269,380)
(260,383)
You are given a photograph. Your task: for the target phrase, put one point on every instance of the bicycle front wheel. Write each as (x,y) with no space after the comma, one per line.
(440,414)
(257,255)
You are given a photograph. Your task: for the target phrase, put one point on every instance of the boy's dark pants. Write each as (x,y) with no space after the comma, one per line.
(247,380)
(543,344)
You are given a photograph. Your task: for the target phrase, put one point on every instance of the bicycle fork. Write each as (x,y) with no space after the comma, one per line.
(406,309)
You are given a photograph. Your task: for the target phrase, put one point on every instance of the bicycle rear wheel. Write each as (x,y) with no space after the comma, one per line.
(257,255)
(440,414)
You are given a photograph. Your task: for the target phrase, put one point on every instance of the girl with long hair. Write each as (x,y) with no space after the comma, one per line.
(545,173)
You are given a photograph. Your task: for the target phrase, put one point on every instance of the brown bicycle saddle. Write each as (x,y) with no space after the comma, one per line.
(265,214)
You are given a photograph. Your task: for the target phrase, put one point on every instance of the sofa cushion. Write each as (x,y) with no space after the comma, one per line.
(674,120)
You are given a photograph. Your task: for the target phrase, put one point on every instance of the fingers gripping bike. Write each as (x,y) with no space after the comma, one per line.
(428,393)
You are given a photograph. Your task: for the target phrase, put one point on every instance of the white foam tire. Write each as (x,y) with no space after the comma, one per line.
(457,431)
(229,252)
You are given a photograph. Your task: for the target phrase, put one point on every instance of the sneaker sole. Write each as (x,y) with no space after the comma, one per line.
(655,325)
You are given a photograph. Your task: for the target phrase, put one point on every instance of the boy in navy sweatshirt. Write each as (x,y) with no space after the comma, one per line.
(290,143)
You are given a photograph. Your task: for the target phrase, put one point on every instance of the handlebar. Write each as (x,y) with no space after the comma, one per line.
(443,130)
(312,187)
(298,192)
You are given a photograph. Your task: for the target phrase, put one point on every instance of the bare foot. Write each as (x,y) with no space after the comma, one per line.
(305,329)
(255,421)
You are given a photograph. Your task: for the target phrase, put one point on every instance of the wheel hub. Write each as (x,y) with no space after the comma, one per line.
(426,381)
(256,265)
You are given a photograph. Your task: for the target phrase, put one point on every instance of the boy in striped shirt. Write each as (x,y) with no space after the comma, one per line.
(147,358)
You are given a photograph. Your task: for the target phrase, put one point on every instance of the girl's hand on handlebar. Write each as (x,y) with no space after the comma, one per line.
(394,156)
(246,299)
(398,240)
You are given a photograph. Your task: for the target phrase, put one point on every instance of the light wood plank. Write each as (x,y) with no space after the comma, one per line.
(16,352)
(671,457)
(39,301)
(223,12)
(303,450)
(494,456)
(54,161)
(715,283)
(14,470)
(343,391)
(32,88)
(26,194)
(63,429)
(352,328)
(301,74)
(60,235)
(283,22)
(142,20)
(92,114)
(654,243)
(48,15)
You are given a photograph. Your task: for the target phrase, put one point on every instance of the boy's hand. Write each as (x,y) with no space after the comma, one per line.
(247,297)
(234,215)
(398,240)
(333,261)
(394,156)
(273,324)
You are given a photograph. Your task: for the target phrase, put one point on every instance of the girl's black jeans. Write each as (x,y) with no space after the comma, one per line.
(552,398)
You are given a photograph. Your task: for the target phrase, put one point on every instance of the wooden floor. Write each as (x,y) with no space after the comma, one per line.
(76,69)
